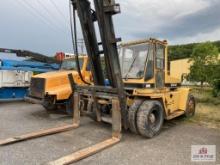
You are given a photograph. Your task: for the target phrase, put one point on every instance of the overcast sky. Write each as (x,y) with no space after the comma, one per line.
(43,25)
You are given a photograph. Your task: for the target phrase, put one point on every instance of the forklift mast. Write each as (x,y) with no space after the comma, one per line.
(104,10)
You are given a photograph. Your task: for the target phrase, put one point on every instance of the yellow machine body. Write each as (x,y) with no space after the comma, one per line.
(57,83)
(54,87)
(169,91)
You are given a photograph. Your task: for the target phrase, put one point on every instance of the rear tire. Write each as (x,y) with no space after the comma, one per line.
(190,106)
(150,118)
(132,115)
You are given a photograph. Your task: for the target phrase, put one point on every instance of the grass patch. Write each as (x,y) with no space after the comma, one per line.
(206,115)
(207,108)
(205,96)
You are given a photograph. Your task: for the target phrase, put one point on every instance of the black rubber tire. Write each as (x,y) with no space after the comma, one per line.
(69,106)
(91,109)
(48,103)
(132,115)
(190,111)
(49,107)
(144,125)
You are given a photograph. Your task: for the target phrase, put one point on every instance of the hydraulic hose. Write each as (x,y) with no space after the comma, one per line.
(74,41)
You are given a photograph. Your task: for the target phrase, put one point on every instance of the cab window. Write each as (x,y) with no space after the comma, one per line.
(150,64)
(160,56)
(70,64)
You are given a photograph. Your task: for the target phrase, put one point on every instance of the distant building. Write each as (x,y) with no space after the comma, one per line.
(180,68)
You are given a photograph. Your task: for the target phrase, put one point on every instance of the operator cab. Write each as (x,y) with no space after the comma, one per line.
(144,64)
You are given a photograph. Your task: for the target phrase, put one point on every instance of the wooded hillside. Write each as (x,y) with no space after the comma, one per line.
(184,51)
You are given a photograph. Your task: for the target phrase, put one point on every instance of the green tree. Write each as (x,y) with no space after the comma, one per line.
(204,57)
(214,78)
(184,51)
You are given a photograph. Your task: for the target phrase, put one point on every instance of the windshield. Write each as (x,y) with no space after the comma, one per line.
(133,59)
(71,64)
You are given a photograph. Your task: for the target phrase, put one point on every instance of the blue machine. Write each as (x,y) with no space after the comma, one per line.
(13,93)
(34,66)
(15,76)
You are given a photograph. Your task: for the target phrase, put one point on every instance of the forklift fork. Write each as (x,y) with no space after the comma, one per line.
(37,134)
(86,152)
(104,9)
(81,154)
(42,133)
(115,138)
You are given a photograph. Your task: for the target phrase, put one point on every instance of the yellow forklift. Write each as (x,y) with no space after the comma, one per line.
(140,94)
(52,89)
(152,95)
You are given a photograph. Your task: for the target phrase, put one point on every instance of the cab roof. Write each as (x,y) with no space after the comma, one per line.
(136,42)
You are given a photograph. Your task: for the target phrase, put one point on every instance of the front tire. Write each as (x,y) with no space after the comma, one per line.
(132,115)
(69,106)
(48,104)
(150,118)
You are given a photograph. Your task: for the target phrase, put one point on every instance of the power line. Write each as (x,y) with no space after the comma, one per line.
(50,14)
(41,15)
(60,12)
(45,8)
(35,15)
(57,8)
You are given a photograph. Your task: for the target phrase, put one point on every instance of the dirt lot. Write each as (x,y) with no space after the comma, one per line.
(172,146)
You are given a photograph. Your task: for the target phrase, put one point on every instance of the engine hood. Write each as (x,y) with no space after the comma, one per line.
(57,79)
(55,74)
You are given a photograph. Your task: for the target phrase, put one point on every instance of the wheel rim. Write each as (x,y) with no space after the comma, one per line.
(191,106)
(153,118)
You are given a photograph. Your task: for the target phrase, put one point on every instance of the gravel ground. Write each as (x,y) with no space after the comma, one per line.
(171,147)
